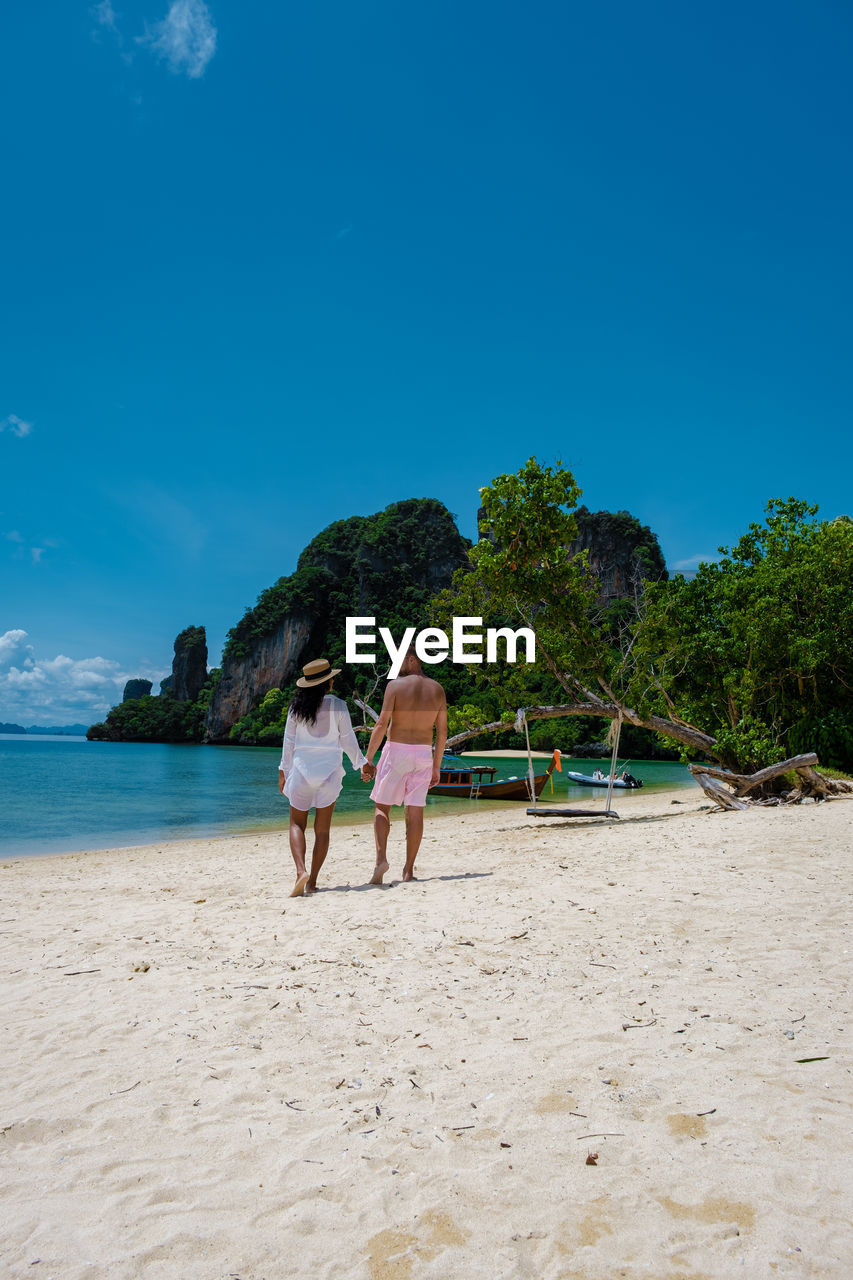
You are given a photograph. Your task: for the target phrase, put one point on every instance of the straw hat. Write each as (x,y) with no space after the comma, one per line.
(317,672)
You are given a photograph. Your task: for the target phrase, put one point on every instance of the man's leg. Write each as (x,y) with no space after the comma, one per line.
(322,825)
(298,821)
(414,834)
(381,828)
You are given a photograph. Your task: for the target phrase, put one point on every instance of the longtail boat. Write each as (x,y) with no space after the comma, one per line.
(465,781)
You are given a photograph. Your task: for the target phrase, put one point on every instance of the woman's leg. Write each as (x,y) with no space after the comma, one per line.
(322,826)
(298,822)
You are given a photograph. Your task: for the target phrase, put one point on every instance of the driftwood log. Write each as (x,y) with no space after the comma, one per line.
(767,786)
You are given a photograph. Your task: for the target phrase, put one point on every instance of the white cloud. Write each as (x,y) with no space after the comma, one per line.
(186,38)
(106,15)
(58,690)
(19,549)
(14,650)
(693,562)
(16,425)
(107,18)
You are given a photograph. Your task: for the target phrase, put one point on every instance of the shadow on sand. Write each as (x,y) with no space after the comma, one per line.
(580,824)
(362,888)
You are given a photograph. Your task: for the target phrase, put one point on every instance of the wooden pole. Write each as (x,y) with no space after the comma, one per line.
(529,763)
(613,756)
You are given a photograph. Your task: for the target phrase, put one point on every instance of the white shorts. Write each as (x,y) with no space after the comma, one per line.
(305,793)
(403,775)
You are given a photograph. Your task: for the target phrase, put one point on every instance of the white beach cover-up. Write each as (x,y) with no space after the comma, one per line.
(311,755)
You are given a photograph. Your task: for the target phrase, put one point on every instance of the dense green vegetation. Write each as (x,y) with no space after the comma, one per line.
(265,725)
(750,661)
(759,647)
(146,719)
(157,719)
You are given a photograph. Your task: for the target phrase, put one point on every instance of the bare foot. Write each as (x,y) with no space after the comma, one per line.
(408,875)
(299,888)
(311,888)
(379,872)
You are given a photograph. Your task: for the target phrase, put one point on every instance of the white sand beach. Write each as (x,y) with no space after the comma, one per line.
(206,1080)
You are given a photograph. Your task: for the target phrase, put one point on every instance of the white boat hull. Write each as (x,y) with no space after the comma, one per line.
(583,780)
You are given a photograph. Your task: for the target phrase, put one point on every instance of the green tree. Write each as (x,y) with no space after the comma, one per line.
(760,642)
(265,725)
(723,665)
(157,719)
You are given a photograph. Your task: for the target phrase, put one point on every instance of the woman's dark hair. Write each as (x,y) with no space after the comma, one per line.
(305,703)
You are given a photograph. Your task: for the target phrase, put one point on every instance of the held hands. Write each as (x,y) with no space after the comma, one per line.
(368,772)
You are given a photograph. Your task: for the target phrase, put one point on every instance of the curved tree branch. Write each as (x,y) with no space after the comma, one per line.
(608,710)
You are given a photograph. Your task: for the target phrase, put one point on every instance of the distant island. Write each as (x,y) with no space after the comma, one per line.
(61,730)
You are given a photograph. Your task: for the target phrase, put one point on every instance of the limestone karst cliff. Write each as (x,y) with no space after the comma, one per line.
(177,715)
(189,665)
(263,663)
(386,565)
(136,689)
(621,551)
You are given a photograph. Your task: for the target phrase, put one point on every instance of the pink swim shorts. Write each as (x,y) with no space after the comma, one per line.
(403,774)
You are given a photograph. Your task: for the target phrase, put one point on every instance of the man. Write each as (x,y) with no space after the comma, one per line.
(414,706)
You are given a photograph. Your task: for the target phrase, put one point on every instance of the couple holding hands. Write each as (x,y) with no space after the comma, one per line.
(317,733)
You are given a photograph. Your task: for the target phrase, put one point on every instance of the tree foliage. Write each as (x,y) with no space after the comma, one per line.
(157,719)
(265,725)
(760,642)
(731,663)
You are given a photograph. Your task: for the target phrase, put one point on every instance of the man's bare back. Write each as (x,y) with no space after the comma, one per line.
(415,704)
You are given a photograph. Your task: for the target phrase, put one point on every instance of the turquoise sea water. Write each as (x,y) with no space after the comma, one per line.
(64,794)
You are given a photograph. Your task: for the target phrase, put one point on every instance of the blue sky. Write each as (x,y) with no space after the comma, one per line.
(266,266)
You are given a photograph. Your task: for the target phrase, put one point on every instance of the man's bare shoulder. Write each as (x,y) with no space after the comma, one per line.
(426,685)
(415,685)
(434,687)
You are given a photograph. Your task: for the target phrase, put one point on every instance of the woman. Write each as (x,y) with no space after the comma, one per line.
(317,732)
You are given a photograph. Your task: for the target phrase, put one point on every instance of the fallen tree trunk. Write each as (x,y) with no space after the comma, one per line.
(811,783)
(720,794)
(817,785)
(744,782)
